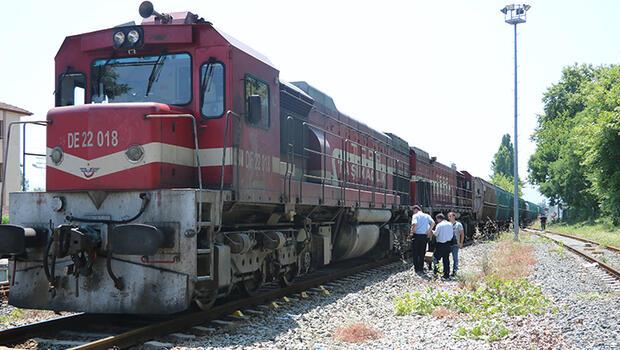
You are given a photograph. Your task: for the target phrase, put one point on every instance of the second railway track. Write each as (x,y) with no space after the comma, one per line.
(606,257)
(89,331)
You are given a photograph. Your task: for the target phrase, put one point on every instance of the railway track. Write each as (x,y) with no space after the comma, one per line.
(4,290)
(589,250)
(90,331)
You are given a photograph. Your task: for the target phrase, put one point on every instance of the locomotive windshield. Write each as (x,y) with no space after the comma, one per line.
(163,78)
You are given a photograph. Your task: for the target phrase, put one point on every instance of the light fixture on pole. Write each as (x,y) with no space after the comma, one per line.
(515,14)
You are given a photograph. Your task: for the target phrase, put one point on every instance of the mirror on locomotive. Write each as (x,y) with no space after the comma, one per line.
(254,109)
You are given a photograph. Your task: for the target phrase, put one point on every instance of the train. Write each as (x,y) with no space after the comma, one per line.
(181,169)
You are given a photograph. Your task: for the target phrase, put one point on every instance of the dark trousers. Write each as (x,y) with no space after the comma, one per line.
(419,249)
(442,251)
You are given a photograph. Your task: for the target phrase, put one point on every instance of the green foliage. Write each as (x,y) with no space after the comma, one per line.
(5,219)
(601,231)
(11,317)
(502,166)
(492,298)
(556,165)
(578,141)
(486,329)
(506,183)
(503,160)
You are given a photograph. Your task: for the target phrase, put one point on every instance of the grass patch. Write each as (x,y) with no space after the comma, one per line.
(356,333)
(15,315)
(559,249)
(501,289)
(601,232)
(489,330)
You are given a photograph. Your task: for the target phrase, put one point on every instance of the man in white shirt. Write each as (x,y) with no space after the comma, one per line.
(421,225)
(457,243)
(443,233)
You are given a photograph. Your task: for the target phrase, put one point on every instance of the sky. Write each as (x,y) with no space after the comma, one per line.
(437,73)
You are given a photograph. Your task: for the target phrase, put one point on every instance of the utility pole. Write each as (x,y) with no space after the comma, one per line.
(513,15)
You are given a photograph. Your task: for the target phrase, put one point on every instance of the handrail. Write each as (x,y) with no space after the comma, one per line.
(196,151)
(224,139)
(6,154)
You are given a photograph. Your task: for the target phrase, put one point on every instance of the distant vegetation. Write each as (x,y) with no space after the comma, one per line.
(502,166)
(576,161)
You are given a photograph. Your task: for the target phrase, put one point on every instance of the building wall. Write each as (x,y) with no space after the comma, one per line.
(13,178)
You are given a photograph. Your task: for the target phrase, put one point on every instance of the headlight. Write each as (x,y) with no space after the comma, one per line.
(57,155)
(119,39)
(135,153)
(133,36)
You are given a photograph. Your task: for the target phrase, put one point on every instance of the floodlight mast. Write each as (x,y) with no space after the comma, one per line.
(515,14)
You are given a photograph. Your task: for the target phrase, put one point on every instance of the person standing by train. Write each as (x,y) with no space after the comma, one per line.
(443,233)
(421,225)
(457,241)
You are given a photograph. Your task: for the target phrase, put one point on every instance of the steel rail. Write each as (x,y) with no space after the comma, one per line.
(160,327)
(610,247)
(189,320)
(608,268)
(16,334)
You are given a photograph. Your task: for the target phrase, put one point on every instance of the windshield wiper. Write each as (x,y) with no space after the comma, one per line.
(154,76)
(206,82)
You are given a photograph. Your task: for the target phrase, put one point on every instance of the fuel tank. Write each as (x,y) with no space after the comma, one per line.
(355,240)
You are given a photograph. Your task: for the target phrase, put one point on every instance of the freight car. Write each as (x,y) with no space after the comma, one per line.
(181,168)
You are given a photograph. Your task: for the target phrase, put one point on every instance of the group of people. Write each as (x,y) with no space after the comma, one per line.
(449,236)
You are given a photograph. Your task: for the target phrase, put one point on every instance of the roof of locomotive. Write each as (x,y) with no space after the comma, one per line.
(180,19)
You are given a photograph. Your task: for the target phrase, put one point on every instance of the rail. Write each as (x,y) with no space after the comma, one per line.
(603,265)
(154,328)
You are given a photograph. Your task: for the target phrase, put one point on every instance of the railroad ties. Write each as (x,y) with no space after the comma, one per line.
(84,331)
(590,251)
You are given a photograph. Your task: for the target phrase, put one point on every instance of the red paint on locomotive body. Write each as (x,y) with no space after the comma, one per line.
(353,165)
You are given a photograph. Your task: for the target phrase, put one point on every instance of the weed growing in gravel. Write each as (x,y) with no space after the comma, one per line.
(494,296)
(488,329)
(14,315)
(500,290)
(559,249)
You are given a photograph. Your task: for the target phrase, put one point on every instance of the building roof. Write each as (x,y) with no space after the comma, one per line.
(11,108)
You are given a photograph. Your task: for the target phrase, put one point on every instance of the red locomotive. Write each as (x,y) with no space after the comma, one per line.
(167,185)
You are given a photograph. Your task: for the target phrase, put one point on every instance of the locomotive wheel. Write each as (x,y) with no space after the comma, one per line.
(205,302)
(251,286)
(287,278)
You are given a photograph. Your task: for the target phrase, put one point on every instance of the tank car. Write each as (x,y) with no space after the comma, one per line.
(181,168)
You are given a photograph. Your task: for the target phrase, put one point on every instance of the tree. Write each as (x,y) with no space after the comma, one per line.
(556,166)
(502,166)
(596,138)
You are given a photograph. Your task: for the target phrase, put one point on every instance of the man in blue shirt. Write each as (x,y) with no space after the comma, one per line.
(421,225)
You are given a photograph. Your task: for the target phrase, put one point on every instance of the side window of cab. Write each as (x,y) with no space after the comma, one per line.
(71,89)
(257,101)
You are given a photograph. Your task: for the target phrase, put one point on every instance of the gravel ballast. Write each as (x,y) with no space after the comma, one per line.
(586,315)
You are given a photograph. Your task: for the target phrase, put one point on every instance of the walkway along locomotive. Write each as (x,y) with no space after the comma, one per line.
(180,168)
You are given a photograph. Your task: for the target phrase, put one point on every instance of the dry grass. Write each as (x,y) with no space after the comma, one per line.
(509,260)
(442,312)
(356,333)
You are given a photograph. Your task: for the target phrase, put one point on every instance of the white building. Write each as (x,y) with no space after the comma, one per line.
(9,114)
